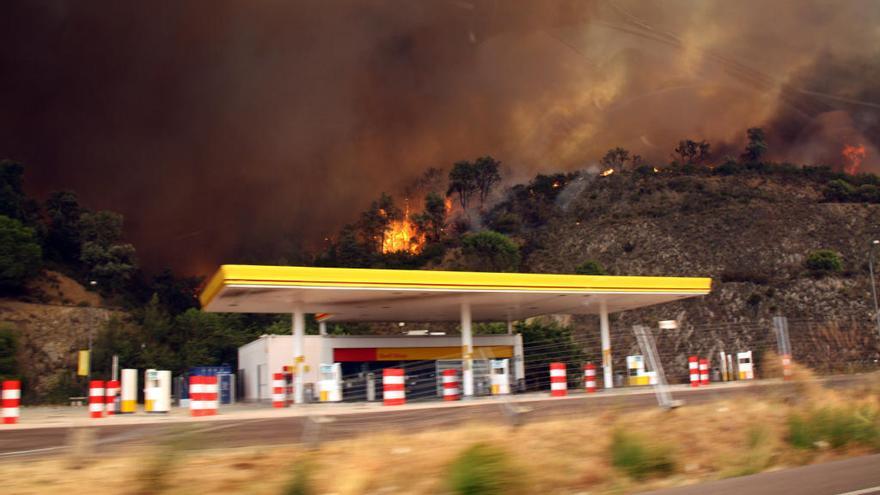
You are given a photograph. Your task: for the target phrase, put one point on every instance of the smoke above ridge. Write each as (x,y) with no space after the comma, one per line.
(223,128)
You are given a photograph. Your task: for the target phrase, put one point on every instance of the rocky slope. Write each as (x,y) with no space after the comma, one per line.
(750,233)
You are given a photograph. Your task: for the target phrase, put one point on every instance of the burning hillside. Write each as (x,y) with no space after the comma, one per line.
(853,157)
(403,236)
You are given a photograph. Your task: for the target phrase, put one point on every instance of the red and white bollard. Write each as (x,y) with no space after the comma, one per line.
(558,383)
(96,399)
(694,370)
(590,377)
(196,395)
(704,371)
(9,401)
(786,367)
(289,379)
(393,387)
(211,397)
(279,384)
(110,396)
(203,395)
(450,385)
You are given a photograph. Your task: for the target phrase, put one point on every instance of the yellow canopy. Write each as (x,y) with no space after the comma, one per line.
(358,294)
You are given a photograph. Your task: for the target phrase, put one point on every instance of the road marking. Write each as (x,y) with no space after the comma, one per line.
(863,491)
(32,451)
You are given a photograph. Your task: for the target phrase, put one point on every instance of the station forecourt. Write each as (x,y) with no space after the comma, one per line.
(382,295)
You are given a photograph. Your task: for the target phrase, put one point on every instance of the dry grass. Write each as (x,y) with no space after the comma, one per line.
(725,438)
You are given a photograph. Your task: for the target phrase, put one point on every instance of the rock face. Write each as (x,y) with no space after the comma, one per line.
(49,338)
(751,234)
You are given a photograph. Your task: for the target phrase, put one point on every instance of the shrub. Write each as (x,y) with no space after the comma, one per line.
(20,254)
(481,469)
(301,482)
(590,267)
(758,454)
(824,261)
(638,457)
(838,427)
(838,190)
(490,251)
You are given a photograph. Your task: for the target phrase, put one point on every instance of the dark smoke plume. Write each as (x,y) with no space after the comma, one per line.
(225,127)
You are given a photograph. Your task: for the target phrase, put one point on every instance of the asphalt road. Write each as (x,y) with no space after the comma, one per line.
(857,476)
(313,429)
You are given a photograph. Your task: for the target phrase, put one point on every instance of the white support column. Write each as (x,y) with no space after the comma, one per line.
(467,350)
(519,365)
(322,327)
(509,327)
(299,337)
(606,344)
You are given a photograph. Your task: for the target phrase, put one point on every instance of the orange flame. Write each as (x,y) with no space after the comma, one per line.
(606,173)
(448,204)
(402,236)
(853,155)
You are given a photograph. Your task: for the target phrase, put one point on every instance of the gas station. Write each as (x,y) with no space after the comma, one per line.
(381,295)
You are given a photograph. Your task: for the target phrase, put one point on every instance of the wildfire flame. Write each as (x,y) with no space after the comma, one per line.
(402,236)
(606,173)
(853,156)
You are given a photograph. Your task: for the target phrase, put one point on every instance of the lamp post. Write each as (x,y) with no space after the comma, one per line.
(874,244)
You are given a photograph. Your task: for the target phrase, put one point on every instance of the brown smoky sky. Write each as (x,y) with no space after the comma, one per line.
(221,128)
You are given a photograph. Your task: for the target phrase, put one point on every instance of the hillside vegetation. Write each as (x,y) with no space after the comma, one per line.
(776,239)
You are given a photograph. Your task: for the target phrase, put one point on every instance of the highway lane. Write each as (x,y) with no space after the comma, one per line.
(310,429)
(856,476)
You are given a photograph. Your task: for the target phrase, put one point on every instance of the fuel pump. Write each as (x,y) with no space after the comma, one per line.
(500,376)
(635,366)
(330,382)
(745,366)
(157,391)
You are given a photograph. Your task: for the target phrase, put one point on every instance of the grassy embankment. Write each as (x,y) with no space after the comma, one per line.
(609,452)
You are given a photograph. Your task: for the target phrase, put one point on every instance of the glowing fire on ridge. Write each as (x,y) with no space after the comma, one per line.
(606,173)
(853,155)
(402,236)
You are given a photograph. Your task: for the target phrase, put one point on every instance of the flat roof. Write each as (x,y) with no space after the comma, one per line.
(363,294)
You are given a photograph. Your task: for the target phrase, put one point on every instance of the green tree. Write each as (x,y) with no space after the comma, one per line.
(756,146)
(463,181)
(490,251)
(590,267)
(12,196)
(545,342)
(177,294)
(204,339)
(432,221)
(120,338)
(63,214)
(375,221)
(8,352)
(824,261)
(486,175)
(20,254)
(109,261)
(690,152)
(615,158)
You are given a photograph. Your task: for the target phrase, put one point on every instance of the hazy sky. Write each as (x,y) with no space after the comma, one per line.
(226,126)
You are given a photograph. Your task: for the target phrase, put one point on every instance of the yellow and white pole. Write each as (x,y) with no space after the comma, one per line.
(299,337)
(605,331)
(467,350)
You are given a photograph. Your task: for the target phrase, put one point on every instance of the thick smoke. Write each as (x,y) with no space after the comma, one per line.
(220,128)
